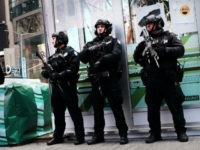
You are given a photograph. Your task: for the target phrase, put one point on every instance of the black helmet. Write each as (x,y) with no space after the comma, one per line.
(152,17)
(157,20)
(61,37)
(107,24)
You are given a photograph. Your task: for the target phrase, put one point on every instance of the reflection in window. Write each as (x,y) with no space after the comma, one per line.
(129,30)
(19,8)
(70,8)
(33,64)
(81,14)
(30,24)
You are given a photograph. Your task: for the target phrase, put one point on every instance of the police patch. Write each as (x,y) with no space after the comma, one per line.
(65,54)
(118,41)
(76,53)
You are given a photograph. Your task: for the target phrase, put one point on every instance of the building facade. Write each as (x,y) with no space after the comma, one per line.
(27,36)
(4,36)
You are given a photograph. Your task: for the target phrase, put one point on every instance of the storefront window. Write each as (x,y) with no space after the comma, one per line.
(33,65)
(79,17)
(18,8)
(30,24)
(21,59)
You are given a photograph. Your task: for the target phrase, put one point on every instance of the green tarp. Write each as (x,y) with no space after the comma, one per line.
(24,112)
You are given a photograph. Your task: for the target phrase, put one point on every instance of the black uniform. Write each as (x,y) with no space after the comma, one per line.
(103,55)
(65,63)
(162,82)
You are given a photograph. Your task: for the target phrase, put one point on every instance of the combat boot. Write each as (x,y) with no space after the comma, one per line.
(80,138)
(182,137)
(153,138)
(123,139)
(95,140)
(79,141)
(55,141)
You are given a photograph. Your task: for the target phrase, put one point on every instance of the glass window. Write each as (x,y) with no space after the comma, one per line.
(79,17)
(18,8)
(33,65)
(29,38)
(30,24)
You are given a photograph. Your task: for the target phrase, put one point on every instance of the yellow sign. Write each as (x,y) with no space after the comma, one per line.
(184,10)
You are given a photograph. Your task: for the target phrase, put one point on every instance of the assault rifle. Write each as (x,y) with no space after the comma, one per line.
(97,75)
(149,51)
(99,45)
(46,65)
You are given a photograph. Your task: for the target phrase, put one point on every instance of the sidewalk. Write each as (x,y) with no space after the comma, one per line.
(111,143)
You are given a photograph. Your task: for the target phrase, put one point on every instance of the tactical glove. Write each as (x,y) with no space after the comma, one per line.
(146,53)
(161,50)
(45,74)
(54,76)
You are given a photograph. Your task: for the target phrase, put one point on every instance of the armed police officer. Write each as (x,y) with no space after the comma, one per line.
(62,71)
(161,75)
(103,54)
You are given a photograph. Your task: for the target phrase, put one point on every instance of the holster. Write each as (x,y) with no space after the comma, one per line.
(180,72)
(175,75)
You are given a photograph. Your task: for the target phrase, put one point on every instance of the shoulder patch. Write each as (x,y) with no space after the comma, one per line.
(65,54)
(76,53)
(118,41)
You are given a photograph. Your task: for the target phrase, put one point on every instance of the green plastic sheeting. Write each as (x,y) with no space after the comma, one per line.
(24,112)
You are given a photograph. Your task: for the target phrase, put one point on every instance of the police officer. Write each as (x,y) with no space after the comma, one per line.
(161,75)
(103,54)
(65,64)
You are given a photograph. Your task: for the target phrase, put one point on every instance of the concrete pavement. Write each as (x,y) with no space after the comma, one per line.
(169,142)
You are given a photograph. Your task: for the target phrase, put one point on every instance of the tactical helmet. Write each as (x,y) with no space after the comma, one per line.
(107,24)
(61,37)
(157,20)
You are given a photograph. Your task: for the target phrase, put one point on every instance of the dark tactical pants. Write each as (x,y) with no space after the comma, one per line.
(60,100)
(107,88)
(157,89)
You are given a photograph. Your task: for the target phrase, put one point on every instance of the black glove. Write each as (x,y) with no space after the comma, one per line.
(45,74)
(161,50)
(54,76)
(146,53)
(93,70)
